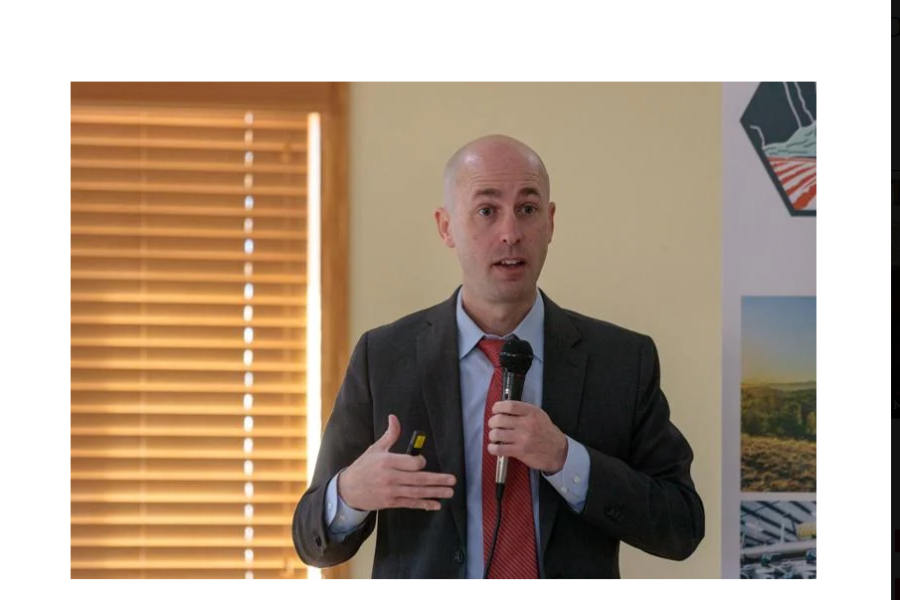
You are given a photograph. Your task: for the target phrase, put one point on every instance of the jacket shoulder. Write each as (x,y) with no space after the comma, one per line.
(407,328)
(598,331)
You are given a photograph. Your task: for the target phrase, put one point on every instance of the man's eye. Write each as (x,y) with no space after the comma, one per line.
(529,209)
(486,211)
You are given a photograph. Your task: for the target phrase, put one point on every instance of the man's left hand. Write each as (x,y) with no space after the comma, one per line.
(523,431)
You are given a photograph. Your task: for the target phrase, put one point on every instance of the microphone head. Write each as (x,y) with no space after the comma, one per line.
(516,356)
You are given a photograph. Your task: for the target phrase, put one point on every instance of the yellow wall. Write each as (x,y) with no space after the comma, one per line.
(636,176)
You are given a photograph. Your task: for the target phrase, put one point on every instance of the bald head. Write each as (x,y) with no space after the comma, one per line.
(474,153)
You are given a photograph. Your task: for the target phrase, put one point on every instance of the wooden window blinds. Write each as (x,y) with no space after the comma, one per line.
(188,357)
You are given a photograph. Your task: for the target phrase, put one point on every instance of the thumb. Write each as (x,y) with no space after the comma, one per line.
(390,436)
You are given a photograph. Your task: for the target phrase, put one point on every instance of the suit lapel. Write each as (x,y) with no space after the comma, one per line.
(564,371)
(438,363)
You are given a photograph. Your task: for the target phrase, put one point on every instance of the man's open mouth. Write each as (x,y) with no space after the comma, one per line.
(510,263)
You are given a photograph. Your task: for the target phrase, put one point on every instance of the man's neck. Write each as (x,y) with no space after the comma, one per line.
(497,319)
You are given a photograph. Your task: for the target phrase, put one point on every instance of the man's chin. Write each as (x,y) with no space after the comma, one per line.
(501,292)
(514,292)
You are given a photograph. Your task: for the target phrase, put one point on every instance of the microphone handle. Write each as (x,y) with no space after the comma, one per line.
(512,390)
(501,469)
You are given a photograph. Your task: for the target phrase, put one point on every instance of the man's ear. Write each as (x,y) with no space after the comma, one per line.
(552,216)
(442,219)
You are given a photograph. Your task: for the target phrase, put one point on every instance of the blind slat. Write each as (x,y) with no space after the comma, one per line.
(196,432)
(185,476)
(193,166)
(182,542)
(195,211)
(175,276)
(198,343)
(258,388)
(170,188)
(185,321)
(189,233)
(236,563)
(192,454)
(218,498)
(185,255)
(233,366)
(182,409)
(121,298)
(114,142)
(195,121)
(299,572)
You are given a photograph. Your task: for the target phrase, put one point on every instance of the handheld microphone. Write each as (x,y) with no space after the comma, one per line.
(515,359)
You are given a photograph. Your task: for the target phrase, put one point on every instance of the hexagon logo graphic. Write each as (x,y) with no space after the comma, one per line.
(780,121)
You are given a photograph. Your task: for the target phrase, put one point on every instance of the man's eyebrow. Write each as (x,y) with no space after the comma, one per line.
(490,192)
(487,192)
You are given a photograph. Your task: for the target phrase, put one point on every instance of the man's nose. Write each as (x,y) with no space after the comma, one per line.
(510,232)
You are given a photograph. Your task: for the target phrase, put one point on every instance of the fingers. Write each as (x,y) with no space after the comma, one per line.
(420,498)
(503,421)
(514,407)
(510,450)
(390,436)
(507,432)
(407,470)
(415,503)
(503,436)
(404,462)
(424,493)
(424,478)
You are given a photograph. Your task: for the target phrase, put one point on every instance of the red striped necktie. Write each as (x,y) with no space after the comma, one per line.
(515,556)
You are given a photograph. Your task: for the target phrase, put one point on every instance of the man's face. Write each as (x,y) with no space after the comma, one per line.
(500,222)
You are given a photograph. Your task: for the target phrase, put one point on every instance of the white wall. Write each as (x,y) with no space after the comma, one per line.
(636,176)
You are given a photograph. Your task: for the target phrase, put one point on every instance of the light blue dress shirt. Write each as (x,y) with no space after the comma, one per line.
(475,375)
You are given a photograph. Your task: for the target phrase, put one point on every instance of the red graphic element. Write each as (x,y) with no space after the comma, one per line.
(797,177)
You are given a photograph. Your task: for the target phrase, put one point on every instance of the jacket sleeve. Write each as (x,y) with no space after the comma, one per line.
(347,435)
(649,500)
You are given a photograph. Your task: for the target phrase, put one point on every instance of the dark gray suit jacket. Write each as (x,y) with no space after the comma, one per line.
(601,387)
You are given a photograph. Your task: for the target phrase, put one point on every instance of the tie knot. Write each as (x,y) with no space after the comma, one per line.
(491,349)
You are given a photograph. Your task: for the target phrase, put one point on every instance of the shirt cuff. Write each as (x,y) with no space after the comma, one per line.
(572,480)
(341,518)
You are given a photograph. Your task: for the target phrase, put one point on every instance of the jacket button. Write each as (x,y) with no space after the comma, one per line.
(459,556)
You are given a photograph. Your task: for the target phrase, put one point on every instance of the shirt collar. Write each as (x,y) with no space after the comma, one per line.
(530,329)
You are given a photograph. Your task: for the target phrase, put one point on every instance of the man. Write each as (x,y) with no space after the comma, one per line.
(593,457)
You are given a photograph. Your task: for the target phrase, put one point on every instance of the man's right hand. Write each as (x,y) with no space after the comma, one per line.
(381,479)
